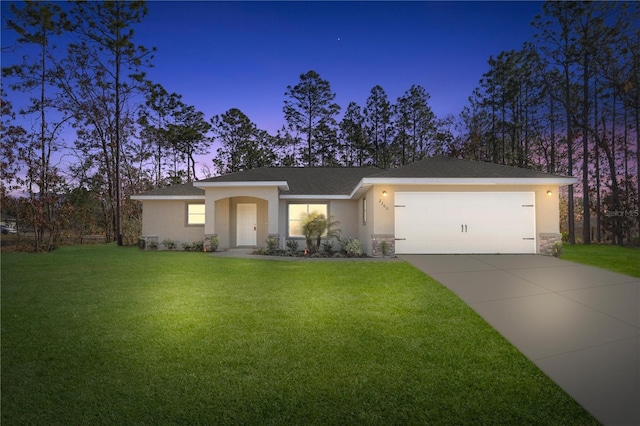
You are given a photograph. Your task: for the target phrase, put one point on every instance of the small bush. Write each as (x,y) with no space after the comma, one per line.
(352,247)
(556,250)
(187,246)
(272,246)
(384,247)
(292,247)
(327,248)
(214,242)
(198,246)
(169,244)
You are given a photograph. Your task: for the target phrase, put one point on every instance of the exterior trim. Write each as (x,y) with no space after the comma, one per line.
(314,197)
(167,197)
(284,185)
(367,182)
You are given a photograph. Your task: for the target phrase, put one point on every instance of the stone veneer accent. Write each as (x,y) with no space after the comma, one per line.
(376,248)
(546,242)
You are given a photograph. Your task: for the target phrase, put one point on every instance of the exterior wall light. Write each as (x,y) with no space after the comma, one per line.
(384,193)
(549,193)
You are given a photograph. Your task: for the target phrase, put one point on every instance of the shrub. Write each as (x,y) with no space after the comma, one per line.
(214,242)
(556,250)
(292,247)
(169,244)
(272,246)
(327,248)
(198,246)
(316,225)
(187,246)
(264,251)
(384,247)
(352,247)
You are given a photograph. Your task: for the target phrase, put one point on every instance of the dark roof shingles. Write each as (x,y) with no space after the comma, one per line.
(343,180)
(449,167)
(305,180)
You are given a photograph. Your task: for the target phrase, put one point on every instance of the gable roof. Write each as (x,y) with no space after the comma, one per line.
(298,181)
(349,182)
(175,192)
(450,167)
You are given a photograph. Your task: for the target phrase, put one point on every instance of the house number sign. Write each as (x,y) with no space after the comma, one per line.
(383,204)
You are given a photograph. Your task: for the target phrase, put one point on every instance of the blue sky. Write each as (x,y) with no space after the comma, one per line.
(221,55)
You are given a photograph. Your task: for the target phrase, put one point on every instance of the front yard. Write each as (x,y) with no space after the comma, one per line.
(107,335)
(625,260)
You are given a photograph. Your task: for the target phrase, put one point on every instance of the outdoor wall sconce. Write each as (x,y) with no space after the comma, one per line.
(384,193)
(549,193)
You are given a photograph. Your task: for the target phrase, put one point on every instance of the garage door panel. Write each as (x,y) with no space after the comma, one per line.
(477,222)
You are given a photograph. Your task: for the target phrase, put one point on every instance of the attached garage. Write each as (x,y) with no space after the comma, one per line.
(465,222)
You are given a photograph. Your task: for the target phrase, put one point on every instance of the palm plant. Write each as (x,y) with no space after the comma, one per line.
(317,225)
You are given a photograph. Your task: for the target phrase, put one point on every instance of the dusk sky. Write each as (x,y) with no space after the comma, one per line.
(221,55)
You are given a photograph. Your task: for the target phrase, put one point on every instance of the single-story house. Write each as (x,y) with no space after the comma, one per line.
(437,205)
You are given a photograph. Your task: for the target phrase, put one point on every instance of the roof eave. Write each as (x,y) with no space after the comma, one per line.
(283,185)
(142,197)
(315,197)
(555,180)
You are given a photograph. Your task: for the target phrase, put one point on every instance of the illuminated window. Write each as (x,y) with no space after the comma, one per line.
(195,214)
(298,211)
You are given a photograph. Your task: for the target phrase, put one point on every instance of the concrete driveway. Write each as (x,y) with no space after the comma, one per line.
(578,324)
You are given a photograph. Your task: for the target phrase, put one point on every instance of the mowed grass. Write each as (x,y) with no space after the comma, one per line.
(625,260)
(108,335)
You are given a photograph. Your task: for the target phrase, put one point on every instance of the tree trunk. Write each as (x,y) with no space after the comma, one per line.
(586,213)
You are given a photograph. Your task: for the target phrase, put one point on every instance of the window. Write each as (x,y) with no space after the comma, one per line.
(298,211)
(195,214)
(364,211)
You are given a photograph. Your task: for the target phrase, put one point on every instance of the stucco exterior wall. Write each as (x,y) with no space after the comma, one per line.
(168,220)
(366,229)
(344,211)
(268,193)
(547,207)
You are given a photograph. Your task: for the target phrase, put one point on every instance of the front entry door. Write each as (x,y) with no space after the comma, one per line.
(246,227)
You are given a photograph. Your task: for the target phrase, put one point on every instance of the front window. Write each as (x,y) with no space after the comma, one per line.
(296,214)
(195,214)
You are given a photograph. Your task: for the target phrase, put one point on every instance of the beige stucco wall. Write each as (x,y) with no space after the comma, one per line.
(547,207)
(221,205)
(168,220)
(365,230)
(344,211)
(268,193)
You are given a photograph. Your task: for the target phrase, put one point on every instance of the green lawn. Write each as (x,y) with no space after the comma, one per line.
(625,260)
(108,335)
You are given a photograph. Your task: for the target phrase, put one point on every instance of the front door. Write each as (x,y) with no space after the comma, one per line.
(246,227)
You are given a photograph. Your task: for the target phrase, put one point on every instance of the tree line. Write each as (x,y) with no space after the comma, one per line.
(568,102)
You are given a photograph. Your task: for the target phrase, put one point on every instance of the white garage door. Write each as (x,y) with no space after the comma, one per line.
(465,222)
